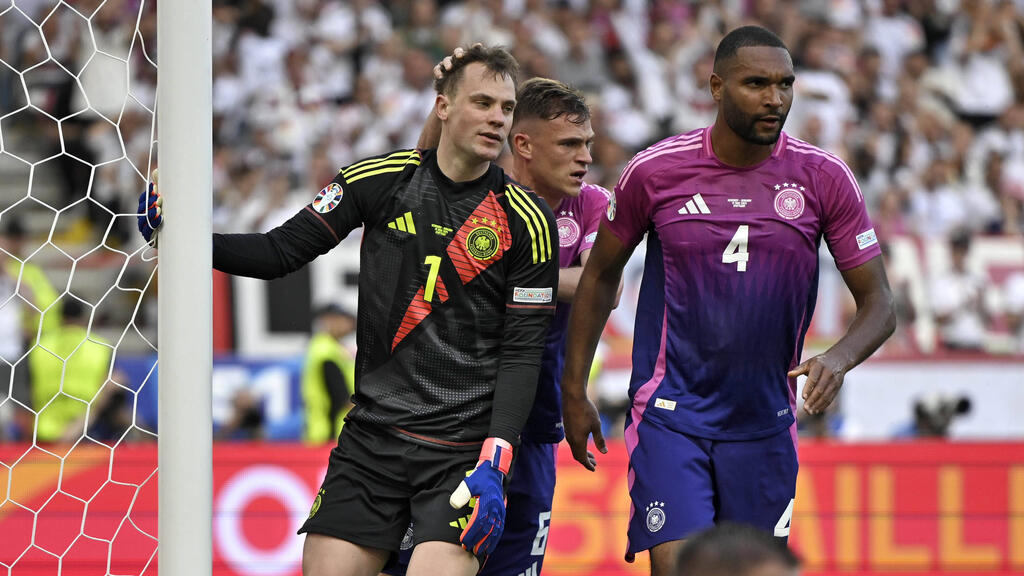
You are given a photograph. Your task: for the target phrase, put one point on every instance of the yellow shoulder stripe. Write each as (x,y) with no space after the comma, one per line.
(391,163)
(533,216)
(384,170)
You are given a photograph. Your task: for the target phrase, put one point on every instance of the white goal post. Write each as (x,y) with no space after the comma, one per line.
(185,152)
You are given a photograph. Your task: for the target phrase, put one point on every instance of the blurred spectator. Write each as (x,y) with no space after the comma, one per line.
(328,375)
(821,99)
(621,101)
(894,33)
(40,308)
(979,51)
(695,107)
(583,64)
(421,30)
(1013,294)
(69,368)
(935,413)
(902,339)
(11,350)
(936,206)
(985,199)
(246,419)
(890,218)
(735,550)
(958,300)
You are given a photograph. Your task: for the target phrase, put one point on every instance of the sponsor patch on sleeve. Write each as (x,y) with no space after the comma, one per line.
(665,404)
(865,239)
(532,295)
(591,237)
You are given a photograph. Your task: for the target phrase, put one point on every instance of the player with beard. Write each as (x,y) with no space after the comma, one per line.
(734,215)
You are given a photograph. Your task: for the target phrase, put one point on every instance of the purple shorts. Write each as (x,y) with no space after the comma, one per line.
(680,484)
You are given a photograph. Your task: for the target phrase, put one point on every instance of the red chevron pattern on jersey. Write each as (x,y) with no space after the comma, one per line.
(488,214)
(418,310)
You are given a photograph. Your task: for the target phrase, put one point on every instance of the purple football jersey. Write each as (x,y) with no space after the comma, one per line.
(730,278)
(578,220)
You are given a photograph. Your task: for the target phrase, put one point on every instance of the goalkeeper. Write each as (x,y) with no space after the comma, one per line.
(550,142)
(456,290)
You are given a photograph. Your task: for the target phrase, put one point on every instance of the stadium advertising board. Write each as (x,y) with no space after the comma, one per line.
(907,508)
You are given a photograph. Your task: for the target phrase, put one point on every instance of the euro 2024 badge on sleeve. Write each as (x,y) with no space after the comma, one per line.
(328,198)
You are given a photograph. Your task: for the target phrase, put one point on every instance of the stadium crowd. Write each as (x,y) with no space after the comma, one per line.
(924,100)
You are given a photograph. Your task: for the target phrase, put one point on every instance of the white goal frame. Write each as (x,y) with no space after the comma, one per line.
(185,340)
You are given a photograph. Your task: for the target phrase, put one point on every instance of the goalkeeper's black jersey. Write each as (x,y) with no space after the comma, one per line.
(457,284)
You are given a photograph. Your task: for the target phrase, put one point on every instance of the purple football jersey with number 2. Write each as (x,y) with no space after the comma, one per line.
(731,277)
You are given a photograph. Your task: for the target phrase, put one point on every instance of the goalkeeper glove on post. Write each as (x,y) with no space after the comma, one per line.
(150,214)
(483,532)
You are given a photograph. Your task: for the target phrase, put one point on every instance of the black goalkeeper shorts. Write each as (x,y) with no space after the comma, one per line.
(377,483)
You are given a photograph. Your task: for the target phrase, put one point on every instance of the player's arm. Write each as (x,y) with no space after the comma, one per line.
(596,295)
(280,251)
(874,321)
(337,387)
(569,280)
(531,291)
(318,227)
(283,250)
(430,136)
(314,230)
(852,241)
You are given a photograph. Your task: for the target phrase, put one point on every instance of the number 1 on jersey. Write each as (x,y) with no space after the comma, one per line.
(736,251)
(435,263)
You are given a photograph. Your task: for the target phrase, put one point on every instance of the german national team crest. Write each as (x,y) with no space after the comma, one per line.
(482,242)
(407,540)
(655,516)
(789,202)
(328,198)
(316,502)
(568,232)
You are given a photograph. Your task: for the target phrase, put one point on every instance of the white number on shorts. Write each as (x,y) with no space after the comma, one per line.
(782,526)
(736,251)
(540,543)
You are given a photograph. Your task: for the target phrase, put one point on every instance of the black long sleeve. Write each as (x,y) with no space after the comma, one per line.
(337,389)
(516,385)
(277,253)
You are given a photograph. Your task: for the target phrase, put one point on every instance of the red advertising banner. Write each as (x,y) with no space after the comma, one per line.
(911,508)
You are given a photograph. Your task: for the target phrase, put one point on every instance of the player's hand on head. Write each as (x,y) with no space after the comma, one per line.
(485,482)
(445,65)
(824,379)
(581,420)
(150,214)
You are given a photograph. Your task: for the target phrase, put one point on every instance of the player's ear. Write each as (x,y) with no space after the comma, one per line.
(442,106)
(522,145)
(716,84)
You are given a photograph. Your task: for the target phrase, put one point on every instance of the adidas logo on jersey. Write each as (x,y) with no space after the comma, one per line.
(695,205)
(403,223)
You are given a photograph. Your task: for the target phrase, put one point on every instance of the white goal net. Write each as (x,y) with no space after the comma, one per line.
(78,471)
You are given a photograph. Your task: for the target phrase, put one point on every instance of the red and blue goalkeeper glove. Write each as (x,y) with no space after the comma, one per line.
(150,214)
(483,532)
